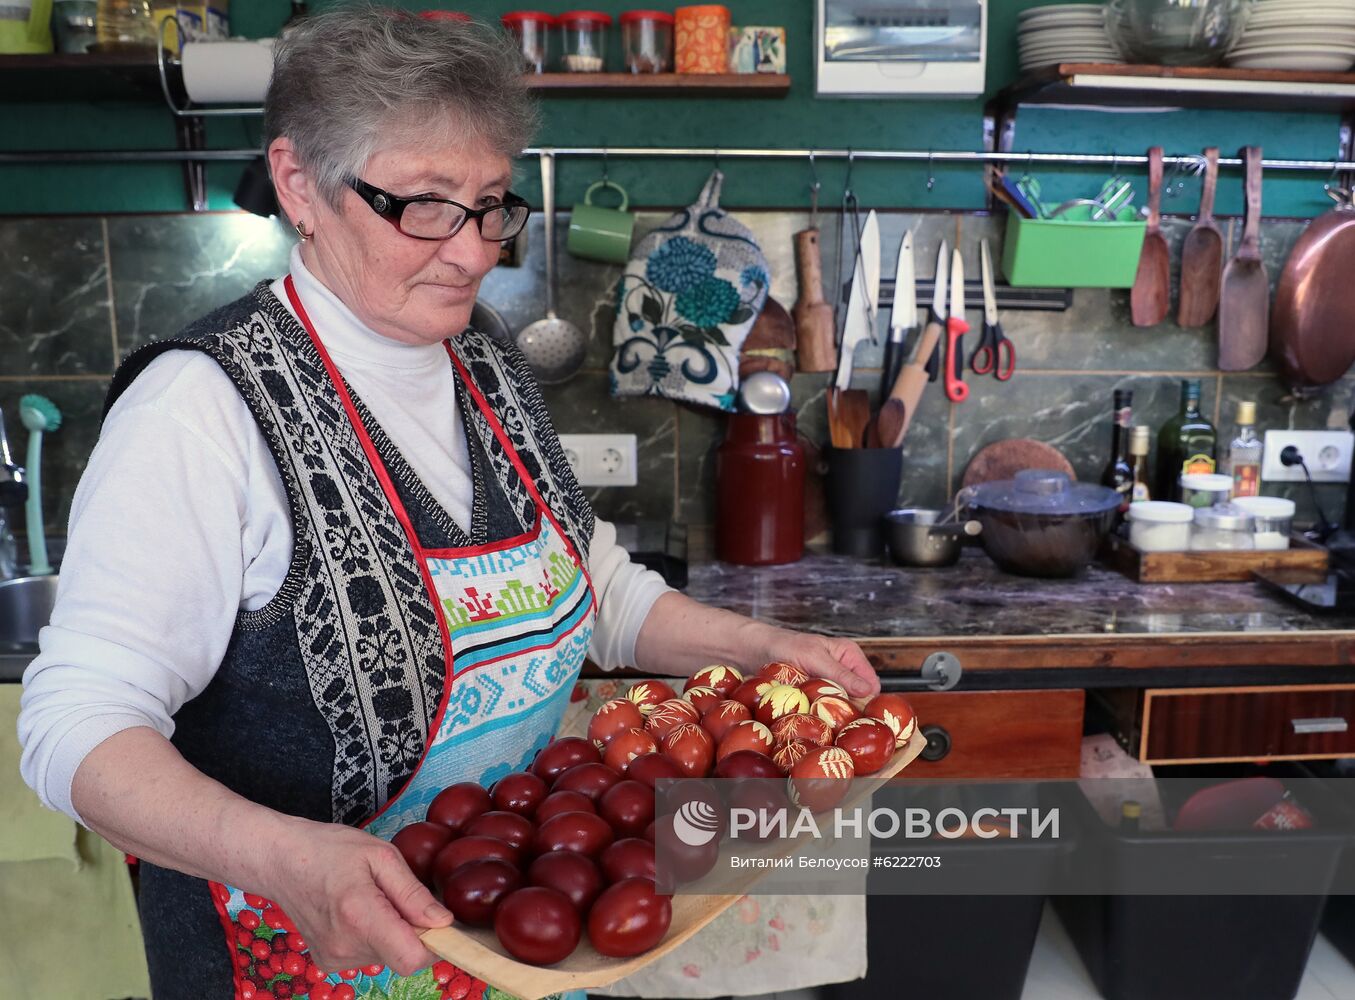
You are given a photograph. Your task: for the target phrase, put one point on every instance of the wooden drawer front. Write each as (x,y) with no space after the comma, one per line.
(1223,724)
(1000,734)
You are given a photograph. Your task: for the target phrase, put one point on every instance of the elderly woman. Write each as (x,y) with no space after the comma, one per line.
(328,557)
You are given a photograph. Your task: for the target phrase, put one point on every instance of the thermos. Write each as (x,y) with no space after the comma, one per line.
(760,491)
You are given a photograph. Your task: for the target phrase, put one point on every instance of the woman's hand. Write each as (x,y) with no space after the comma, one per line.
(354,899)
(838,660)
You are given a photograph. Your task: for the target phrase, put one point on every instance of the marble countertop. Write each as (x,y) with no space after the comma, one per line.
(838,595)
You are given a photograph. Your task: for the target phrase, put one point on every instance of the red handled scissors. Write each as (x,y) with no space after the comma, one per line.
(996,354)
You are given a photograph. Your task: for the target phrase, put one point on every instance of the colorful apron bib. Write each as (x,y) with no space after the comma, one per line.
(517,617)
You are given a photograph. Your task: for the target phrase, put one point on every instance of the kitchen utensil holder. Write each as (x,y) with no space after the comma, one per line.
(862,486)
(1071,254)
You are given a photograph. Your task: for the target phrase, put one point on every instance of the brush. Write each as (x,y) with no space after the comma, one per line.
(39,415)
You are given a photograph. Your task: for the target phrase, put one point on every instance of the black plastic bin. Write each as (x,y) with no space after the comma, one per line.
(1177,947)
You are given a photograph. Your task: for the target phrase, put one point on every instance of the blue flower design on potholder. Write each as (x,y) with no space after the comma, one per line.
(709,303)
(680,265)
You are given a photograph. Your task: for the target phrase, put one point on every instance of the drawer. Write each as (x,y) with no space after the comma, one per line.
(999,734)
(1288,722)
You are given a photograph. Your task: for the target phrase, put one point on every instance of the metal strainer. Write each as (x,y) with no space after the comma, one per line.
(554,347)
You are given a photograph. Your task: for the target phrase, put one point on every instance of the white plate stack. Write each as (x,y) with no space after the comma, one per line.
(1074,32)
(1315,35)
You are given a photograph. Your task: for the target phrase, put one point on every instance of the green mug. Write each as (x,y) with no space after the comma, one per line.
(600,233)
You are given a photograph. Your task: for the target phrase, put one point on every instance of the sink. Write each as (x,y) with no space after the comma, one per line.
(25,607)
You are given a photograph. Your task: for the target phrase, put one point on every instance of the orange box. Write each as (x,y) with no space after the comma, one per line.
(701,39)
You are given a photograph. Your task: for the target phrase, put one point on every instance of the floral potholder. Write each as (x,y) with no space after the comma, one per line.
(685,304)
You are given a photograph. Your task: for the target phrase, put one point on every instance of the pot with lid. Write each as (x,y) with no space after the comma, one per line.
(1041,522)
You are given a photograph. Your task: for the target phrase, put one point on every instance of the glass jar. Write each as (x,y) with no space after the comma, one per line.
(1222,528)
(701,39)
(584,34)
(1205,489)
(1272,519)
(533,31)
(647,41)
(1160,525)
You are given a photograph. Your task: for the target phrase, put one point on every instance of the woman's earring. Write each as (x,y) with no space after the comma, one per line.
(300,228)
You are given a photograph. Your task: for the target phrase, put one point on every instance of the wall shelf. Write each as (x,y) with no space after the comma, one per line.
(661,84)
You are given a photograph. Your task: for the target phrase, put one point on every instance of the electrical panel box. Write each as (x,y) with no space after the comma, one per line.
(900,48)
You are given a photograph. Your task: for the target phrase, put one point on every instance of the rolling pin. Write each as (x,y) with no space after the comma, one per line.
(913,376)
(814,328)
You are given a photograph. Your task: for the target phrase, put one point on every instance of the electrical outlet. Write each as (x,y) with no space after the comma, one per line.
(1327,454)
(601,459)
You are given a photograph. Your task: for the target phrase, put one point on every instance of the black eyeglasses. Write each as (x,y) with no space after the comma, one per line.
(440,218)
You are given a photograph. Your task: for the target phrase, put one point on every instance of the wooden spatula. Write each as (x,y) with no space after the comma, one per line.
(854,413)
(1244,300)
(1151,296)
(890,423)
(1202,255)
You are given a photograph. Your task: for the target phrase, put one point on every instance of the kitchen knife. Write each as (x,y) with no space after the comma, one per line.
(936,312)
(912,378)
(956,327)
(903,315)
(869,248)
(855,328)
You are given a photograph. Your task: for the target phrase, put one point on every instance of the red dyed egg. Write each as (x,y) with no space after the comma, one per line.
(835,711)
(821,778)
(895,712)
(629,918)
(612,717)
(690,748)
(765,804)
(723,679)
(645,695)
(562,802)
(809,728)
(590,779)
(684,861)
(474,890)
(747,764)
(560,755)
(817,687)
(869,741)
(787,755)
(650,767)
(572,874)
(625,747)
(703,698)
(665,716)
(468,849)
(783,673)
(537,925)
(419,844)
(723,716)
(628,806)
(780,700)
(512,828)
(747,735)
(580,832)
(520,793)
(750,692)
(628,858)
(456,805)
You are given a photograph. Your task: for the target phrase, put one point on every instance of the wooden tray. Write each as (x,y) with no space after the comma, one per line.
(478,951)
(1210,567)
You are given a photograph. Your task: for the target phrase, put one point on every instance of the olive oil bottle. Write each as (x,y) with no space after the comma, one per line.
(1186,443)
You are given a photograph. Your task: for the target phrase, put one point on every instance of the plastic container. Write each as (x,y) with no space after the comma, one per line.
(701,39)
(1179,947)
(1205,489)
(583,41)
(1272,520)
(1061,253)
(535,33)
(1222,528)
(647,41)
(760,491)
(1160,525)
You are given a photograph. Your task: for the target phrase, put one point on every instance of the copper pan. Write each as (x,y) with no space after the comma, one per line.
(1312,329)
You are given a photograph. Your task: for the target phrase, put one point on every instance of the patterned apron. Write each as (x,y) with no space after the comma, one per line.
(517,617)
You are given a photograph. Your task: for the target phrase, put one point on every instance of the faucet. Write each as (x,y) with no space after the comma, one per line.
(13,493)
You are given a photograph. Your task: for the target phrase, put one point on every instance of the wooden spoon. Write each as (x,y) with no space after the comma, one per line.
(1202,255)
(1151,296)
(854,413)
(1244,301)
(891,423)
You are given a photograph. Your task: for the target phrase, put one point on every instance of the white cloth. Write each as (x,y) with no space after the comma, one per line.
(181,521)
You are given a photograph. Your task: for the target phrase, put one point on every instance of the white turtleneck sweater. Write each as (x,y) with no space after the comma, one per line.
(180,522)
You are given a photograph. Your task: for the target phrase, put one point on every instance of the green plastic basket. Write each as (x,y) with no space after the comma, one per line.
(1060,253)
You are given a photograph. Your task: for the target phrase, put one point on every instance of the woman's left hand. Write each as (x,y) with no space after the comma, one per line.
(838,660)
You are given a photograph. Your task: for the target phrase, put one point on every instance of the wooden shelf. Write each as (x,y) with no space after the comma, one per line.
(661,84)
(1181,86)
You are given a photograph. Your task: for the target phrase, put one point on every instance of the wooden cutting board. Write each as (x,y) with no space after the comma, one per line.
(478,951)
(1004,459)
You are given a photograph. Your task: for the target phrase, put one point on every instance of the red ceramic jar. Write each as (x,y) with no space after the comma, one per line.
(760,491)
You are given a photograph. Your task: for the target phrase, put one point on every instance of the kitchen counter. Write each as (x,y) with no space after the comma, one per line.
(1101,625)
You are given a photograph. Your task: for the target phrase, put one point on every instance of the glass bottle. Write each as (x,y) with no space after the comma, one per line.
(1244,453)
(125,24)
(1131,816)
(1186,443)
(1139,440)
(1119,472)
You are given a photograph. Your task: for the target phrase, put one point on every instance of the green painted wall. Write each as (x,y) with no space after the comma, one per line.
(797,121)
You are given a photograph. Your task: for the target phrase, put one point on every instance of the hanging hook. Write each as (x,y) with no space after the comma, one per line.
(1115,163)
(814,189)
(717,157)
(851,160)
(604,164)
(931,173)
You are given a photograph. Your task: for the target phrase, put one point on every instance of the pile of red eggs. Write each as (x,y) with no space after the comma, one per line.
(568,846)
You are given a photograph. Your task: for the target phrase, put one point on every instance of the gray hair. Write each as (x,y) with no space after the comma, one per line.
(350,79)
